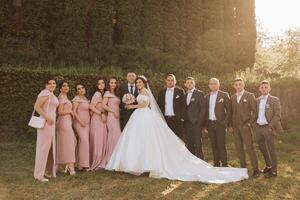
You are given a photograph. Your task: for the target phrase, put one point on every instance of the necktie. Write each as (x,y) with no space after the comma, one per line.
(131,89)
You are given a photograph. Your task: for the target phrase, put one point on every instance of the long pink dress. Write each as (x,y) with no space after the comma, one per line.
(83,132)
(66,140)
(113,123)
(98,136)
(45,144)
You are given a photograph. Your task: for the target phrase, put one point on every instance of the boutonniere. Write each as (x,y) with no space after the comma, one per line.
(177,96)
(245,100)
(267,105)
(221,100)
(192,99)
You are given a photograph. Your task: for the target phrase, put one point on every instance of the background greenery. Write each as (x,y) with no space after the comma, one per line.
(172,35)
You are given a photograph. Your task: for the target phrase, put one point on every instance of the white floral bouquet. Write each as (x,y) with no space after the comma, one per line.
(128,99)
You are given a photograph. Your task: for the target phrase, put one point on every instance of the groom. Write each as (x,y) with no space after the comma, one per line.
(171,101)
(128,87)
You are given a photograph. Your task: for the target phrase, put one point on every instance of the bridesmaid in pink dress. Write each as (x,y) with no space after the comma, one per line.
(66,140)
(46,105)
(82,126)
(98,129)
(111,103)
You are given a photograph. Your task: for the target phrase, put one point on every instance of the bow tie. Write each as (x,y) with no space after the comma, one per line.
(189,91)
(170,89)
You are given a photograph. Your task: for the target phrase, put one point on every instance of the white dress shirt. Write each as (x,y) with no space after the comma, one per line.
(129,88)
(212,105)
(261,120)
(239,96)
(189,96)
(169,110)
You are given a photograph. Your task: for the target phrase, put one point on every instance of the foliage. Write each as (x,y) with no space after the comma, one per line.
(276,57)
(189,35)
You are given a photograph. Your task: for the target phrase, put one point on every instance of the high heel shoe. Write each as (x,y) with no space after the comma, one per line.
(47,175)
(43,180)
(71,172)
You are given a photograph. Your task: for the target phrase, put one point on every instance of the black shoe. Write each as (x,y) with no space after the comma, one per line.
(255,174)
(271,174)
(266,170)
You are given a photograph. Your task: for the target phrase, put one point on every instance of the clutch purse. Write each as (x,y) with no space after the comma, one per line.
(38,122)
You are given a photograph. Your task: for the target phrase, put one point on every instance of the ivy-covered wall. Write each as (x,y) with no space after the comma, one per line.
(19,89)
(201,35)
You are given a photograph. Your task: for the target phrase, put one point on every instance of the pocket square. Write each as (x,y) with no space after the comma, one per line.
(267,105)
(192,99)
(221,100)
(177,96)
(245,100)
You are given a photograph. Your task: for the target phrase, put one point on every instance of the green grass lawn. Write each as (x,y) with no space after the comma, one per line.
(17,162)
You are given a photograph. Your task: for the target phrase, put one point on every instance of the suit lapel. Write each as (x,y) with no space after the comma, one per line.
(217,100)
(193,96)
(258,102)
(267,107)
(126,88)
(174,96)
(241,99)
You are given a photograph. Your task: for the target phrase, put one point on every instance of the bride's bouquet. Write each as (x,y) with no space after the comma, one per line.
(128,99)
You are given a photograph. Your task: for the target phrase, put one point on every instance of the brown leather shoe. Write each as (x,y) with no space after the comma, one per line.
(255,174)
(266,170)
(271,174)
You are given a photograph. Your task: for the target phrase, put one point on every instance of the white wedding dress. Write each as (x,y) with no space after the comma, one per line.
(147,144)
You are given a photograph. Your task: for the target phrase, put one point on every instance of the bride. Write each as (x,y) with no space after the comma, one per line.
(147,144)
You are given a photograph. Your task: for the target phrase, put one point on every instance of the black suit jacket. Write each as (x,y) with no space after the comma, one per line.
(222,109)
(196,110)
(178,102)
(125,114)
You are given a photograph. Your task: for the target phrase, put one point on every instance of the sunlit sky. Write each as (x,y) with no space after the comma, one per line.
(276,16)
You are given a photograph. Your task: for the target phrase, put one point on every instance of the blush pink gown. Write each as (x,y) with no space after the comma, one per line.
(98,136)
(66,140)
(45,144)
(83,132)
(113,123)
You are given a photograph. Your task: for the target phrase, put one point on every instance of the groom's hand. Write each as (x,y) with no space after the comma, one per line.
(205,130)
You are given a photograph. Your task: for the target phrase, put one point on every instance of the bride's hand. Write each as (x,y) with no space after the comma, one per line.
(116,114)
(128,107)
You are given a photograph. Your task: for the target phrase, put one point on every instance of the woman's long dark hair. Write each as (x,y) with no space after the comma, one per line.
(79,83)
(61,83)
(47,79)
(105,86)
(117,87)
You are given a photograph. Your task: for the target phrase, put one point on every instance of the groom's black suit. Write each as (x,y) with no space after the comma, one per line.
(174,122)
(125,113)
(194,121)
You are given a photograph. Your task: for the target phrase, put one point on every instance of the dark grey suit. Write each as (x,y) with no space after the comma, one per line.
(243,118)
(265,135)
(194,121)
(217,128)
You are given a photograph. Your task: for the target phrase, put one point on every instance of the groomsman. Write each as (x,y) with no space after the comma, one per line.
(244,111)
(128,87)
(268,124)
(171,101)
(218,116)
(195,115)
